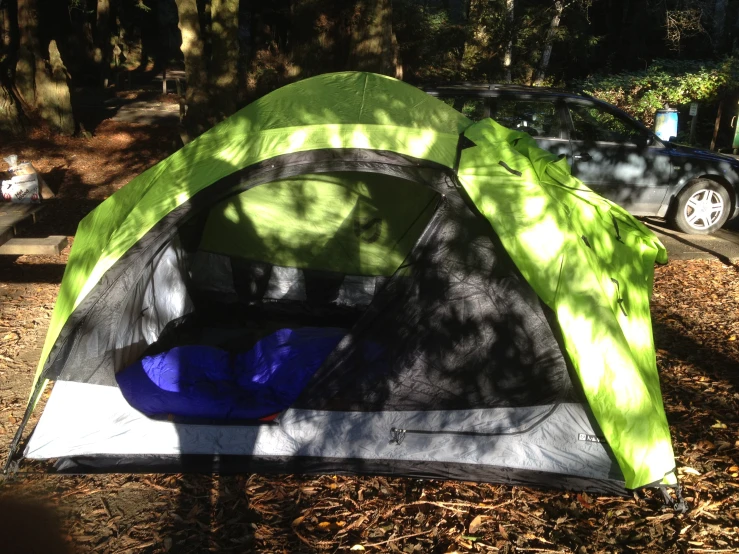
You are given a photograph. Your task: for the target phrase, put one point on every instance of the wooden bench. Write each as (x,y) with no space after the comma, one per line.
(14,217)
(45,246)
(175,78)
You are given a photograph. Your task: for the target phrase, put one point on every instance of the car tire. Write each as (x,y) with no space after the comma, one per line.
(701,208)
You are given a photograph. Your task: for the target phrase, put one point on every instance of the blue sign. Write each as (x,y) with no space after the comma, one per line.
(665,124)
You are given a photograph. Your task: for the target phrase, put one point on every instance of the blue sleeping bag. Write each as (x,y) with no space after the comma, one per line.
(207,382)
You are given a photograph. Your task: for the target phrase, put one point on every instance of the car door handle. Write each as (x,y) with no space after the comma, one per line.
(583,157)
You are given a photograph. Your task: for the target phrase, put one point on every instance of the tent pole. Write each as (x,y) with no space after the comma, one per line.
(38,389)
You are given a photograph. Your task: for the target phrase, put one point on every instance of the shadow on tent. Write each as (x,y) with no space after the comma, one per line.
(429,313)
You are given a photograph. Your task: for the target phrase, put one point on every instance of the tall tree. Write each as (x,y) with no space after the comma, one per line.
(9,110)
(224,75)
(5,26)
(44,89)
(508,56)
(10,113)
(478,37)
(719,23)
(29,51)
(103,48)
(373,46)
(55,105)
(196,96)
(548,42)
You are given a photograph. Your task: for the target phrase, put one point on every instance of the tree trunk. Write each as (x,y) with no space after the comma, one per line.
(373,46)
(456,10)
(45,90)
(5,26)
(224,74)
(52,93)
(508,57)
(10,114)
(477,41)
(102,40)
(719,23)
(717,124)
(547,52)
(196,97)
(28,51)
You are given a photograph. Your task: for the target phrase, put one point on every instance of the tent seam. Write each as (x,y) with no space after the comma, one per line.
(364,92)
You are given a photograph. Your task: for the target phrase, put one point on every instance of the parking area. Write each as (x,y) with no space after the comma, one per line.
(722,245)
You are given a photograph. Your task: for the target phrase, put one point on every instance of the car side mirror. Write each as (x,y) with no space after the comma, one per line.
(649,141)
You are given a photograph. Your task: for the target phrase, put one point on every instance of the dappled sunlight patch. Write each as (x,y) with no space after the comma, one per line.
(359,139)
(335,139)
(581,326)
(382,116)
(420,146)
(296,140)
(228,154)
(181,198)
(639,337)
(535,207)
(628,391)
(545,239)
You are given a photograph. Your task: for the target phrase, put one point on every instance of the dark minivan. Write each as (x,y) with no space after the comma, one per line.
(615,155)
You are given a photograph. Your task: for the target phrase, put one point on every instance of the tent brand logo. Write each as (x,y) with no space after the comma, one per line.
(590,438)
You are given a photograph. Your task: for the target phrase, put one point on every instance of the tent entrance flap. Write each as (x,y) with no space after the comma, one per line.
(281,272)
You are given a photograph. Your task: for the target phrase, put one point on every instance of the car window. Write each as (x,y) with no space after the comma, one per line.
(592,124)
(472,107)
(537,118)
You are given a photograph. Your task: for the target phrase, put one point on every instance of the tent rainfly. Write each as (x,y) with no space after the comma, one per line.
(348,275)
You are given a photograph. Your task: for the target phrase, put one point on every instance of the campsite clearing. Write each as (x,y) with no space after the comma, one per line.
(696,324)
(697,358)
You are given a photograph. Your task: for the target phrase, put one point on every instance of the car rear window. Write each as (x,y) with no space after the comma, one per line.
(592,124)
(471,107)
(539,118)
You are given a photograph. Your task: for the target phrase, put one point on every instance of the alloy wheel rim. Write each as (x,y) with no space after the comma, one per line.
(703,209)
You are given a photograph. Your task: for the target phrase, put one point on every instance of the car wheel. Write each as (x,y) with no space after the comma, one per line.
(701,208)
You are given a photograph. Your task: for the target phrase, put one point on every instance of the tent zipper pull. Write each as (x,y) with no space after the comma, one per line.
(398,436)
(619,298)
(508,168)
(615,224)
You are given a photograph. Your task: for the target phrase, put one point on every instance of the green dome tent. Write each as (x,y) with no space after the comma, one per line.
(494,311)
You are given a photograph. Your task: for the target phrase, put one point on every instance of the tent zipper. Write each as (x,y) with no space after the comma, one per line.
(397,435)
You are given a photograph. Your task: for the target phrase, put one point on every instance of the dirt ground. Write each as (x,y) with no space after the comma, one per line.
(696,324)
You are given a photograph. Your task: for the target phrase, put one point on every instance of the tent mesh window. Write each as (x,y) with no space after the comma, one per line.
(432,312)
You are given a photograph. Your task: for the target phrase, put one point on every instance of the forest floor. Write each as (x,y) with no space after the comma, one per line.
(696,326)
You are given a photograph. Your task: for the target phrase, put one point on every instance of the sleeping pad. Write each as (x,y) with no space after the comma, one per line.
(197,381)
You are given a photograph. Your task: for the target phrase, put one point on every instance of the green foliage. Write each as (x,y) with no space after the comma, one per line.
(79,6)
(431,43)
(143,7)
(673,82)
(438,47)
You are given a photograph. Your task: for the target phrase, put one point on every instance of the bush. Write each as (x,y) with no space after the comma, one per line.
(673,82)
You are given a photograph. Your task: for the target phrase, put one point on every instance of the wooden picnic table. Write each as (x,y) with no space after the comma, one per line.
(15,216)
